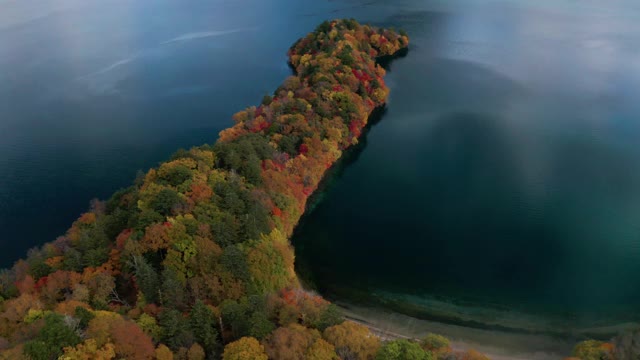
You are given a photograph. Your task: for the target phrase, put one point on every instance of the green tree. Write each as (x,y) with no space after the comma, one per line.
(165,201)
(146,279)
(244,156)
(39,269)
(173,290)
(54,336)
(235,315)
(235,261)
(330,316)
(203,324)
(176,332)
(177,175)
(225,228)
(260,325)
(93,244)
(149,325)
(145,218)
(402,350)
(84,316)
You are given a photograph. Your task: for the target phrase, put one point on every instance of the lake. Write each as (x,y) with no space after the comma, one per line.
(500,188)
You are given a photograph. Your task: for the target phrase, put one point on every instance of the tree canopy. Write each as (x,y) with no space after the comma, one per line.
(195,254)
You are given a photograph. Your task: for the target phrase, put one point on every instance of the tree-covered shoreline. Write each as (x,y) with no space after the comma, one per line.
(195,254)
(193,261)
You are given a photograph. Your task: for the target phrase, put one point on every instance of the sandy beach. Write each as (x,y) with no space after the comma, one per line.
(497,345)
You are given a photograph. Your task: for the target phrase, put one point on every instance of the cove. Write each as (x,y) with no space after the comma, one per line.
(476,205)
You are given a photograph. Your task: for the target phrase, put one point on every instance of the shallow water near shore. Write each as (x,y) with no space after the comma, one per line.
(497,345)
(500,189)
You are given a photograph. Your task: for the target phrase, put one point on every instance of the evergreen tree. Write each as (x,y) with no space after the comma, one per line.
(204,327)
(56,334)
(146,279)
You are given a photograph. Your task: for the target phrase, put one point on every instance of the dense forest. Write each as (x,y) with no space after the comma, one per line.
(193,261)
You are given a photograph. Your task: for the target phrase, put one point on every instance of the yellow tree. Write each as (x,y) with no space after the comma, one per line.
(196,352)
(163,353)
(353,341)
(247,348)
(89,350)
(321,350)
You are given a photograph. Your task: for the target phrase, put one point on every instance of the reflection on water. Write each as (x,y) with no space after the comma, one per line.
(501,188)
(504,174)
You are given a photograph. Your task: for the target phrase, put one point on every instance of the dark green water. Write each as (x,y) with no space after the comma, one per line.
(500,187)
(504,177)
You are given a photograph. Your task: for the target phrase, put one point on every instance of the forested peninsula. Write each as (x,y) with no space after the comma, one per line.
(193,261)
(195,254)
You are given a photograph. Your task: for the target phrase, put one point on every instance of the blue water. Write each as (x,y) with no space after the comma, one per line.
(92,92)
(503,175)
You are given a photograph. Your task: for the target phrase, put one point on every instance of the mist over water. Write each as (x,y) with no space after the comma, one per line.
(502,178)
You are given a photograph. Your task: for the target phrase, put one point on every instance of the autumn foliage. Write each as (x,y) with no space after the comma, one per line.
(246,348)
(352,341)
(196,253)
(594,350)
